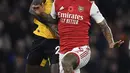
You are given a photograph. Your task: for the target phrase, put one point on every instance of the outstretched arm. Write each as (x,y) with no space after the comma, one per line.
(106,31)
(108,34)
(95,13)
(37,10)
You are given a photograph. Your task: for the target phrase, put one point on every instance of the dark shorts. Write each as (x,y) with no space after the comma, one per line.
(43,48)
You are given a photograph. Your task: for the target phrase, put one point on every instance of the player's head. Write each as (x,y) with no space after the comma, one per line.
(38,2)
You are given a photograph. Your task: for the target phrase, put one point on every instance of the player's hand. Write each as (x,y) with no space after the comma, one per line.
(38,9)
(116,44)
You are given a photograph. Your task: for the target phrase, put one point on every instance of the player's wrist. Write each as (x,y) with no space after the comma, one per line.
(111,44)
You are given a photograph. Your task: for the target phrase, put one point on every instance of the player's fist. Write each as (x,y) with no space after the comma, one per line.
(38,9)
(116,44)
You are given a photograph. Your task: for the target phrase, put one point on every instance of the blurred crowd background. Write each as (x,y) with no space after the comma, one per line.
(16,37)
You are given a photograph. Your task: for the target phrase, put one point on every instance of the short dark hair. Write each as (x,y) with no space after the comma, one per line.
(37,2)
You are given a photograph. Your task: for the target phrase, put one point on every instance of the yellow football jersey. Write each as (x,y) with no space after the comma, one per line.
(43,30)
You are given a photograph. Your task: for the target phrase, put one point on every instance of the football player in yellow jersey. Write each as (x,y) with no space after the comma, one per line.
(45,39)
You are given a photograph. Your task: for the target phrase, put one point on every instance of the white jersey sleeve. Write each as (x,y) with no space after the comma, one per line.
(95,13)
(53,12)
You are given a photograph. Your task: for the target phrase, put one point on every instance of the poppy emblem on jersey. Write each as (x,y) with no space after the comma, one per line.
(70,8)
(81,9)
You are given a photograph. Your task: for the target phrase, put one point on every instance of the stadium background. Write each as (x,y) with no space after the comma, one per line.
(16,31)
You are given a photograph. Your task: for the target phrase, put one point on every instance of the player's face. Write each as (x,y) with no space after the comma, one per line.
(38,8)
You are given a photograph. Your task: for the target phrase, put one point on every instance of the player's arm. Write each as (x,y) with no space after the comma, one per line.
(46,19)
(107,32)
(36,16)
(97,16)
(37,10)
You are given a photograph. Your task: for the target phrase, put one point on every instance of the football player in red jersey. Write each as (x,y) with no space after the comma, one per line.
(73,26)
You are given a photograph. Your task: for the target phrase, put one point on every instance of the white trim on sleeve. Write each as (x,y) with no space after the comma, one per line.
(53,13)
(95,13)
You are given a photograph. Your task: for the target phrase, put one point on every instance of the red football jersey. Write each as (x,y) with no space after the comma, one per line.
(74,23)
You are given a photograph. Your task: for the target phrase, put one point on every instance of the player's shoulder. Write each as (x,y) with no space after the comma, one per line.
(49,1)
(91,1)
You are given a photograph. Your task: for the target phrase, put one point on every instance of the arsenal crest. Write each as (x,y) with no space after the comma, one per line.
(81,9)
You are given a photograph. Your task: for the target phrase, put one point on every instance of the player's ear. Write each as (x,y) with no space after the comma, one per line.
(43,1)
(42,4)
